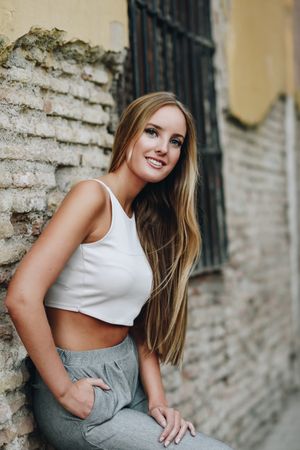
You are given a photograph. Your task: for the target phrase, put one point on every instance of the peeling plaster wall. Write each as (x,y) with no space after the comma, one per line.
(97,22)
(259,53)
(57,119)
(296,30)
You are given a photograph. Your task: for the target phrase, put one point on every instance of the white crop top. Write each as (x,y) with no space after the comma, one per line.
(109,279)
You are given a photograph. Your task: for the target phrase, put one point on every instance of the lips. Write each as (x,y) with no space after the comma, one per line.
(156,159)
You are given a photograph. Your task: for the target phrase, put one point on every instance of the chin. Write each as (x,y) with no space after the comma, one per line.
(149,176)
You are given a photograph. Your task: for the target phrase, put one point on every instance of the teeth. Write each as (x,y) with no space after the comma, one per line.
(156,163)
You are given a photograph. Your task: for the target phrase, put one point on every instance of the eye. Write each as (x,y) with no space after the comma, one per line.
(154,132)
(151,131)
(177,142)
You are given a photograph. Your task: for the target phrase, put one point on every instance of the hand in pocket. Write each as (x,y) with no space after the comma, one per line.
(80,396)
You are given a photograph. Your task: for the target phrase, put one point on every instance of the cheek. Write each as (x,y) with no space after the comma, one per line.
(176,157)
(134,151)
(139,148)
(145,142)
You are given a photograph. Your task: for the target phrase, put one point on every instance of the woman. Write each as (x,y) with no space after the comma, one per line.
(101,297)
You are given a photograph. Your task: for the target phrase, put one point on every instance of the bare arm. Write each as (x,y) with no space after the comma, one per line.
(37,271)
(169,418)
(151,377)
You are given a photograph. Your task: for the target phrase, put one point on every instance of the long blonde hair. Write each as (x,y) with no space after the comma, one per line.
(167,225)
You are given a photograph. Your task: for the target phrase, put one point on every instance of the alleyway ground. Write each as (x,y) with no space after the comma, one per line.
(286,433)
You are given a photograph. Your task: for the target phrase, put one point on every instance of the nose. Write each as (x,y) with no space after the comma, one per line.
(162,147)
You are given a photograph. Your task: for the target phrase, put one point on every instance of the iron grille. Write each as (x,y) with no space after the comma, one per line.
(171,48)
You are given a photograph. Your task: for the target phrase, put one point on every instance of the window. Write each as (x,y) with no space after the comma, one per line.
(171,49)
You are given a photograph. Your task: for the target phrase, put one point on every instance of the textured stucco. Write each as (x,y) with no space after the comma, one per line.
(97,22)
(260,59)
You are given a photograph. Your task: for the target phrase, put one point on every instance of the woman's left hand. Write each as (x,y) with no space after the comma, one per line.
(172,422)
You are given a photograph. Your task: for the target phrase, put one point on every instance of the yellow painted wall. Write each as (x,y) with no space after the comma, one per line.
(296,28)
(260,56)
(98,22)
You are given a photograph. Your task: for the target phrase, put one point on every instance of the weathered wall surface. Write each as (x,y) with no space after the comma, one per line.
(95,22)
(238,368)
(56,121)
(297,144)
(256,65)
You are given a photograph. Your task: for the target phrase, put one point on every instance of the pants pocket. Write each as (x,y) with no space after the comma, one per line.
(122,379)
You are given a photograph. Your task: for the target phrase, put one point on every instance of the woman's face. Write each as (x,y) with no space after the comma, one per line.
(155,153)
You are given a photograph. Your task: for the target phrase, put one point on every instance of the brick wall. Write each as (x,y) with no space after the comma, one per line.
(57,117)
(238,371)
(297,143)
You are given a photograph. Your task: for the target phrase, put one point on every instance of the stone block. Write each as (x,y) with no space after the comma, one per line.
(95,74)
(7,435)
(6,273)
(36,149)
(6,228)
(21,200)
(5,411)
(95,157)
(24,423)
(10,381)
(21,96)
(11,250)
(44,129)
(6,331)
(58,85)
(54,200)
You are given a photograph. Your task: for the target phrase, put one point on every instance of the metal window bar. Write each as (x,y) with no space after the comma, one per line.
(171,49)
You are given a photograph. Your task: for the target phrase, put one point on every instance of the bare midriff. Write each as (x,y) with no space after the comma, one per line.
(79,332)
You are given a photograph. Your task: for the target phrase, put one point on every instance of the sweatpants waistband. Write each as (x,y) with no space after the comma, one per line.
(97,355)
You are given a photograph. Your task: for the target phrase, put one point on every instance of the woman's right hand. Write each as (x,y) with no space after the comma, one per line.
(79,398)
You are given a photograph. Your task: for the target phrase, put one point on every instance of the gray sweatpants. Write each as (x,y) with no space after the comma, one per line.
(119,419)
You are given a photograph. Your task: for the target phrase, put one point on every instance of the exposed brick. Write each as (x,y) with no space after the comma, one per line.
(6,228)
(97,75)
(95,157)
(5,411)
(11,250)
(22,200)
(36,149)
(10,381)
(54,118)
(24,424)
(6,332)
(7,435)
(21,96)
(27,174)
(6,273)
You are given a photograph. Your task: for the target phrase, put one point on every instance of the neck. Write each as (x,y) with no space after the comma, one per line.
(126,187)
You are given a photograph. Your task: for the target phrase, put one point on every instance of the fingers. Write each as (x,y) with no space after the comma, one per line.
(97,382)
(175,425)
(183,428)
(158,416)
(192,428)
(172,428)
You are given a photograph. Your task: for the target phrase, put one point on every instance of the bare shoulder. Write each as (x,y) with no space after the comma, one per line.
(70,224)
(81,205)
(89,192)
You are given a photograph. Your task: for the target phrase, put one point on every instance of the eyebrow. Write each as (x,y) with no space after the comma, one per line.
(160,128)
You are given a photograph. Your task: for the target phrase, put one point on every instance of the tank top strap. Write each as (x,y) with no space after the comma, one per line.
(104,184)
(115,201)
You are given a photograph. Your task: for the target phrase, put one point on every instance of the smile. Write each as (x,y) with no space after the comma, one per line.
(154,163)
